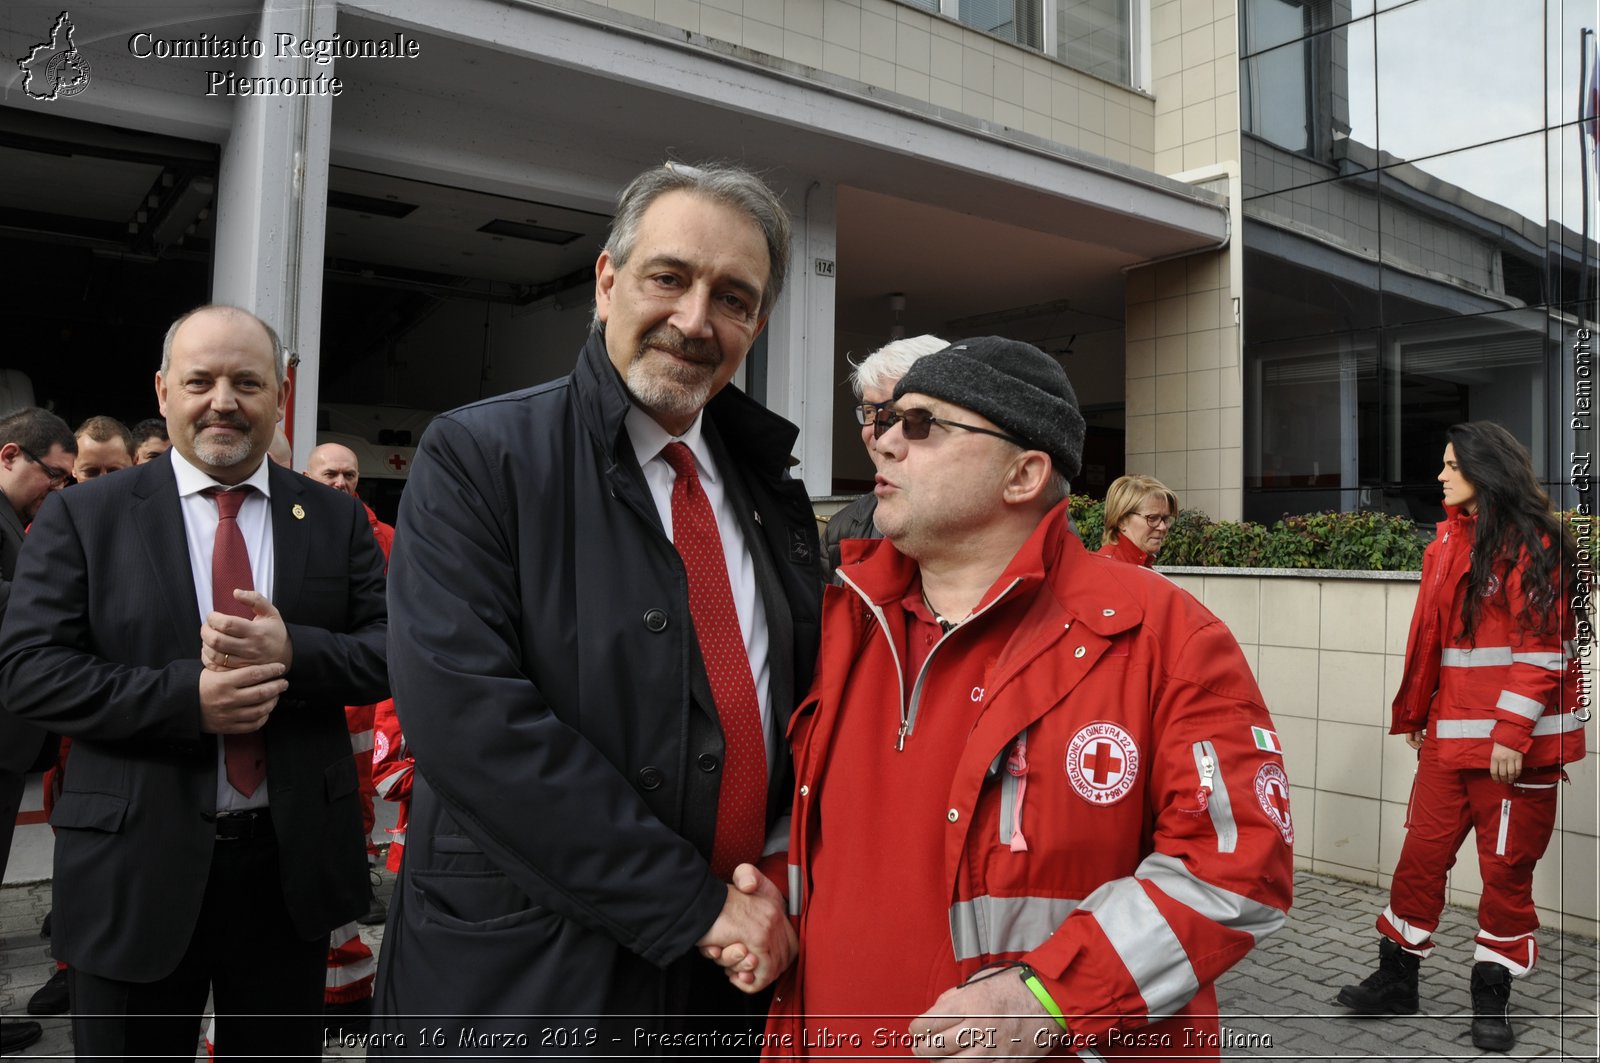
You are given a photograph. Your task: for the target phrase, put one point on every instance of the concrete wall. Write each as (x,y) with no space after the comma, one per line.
(1328,654)
(927,58)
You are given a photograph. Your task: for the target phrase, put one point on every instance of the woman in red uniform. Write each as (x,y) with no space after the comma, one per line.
(1492,698)
(1139,510)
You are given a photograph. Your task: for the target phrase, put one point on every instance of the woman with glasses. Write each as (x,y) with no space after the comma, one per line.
(1492,699)
(1139,510)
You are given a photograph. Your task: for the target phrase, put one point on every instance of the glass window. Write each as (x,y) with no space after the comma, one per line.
(1263,24)
(1314,98)
(1018,21)
(1095,36)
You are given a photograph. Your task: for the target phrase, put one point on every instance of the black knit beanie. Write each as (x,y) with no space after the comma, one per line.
(1013,384)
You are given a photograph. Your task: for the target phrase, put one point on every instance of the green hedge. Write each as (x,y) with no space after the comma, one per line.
(1349,541)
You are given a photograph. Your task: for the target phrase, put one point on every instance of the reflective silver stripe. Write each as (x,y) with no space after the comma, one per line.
(794,889)
(1505,827)
(1523,706)
(1224,907)
(1476,657)
(1219,806)
(386,785)
(1550,661)
(1560,723)
(989,926)
(1146,945)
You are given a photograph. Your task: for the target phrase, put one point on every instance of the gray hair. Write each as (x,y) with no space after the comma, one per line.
(880,369)
(731,186)
(280,357)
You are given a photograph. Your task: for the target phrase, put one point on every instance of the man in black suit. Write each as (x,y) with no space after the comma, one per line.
(599,759)
(36,454)
(188,862)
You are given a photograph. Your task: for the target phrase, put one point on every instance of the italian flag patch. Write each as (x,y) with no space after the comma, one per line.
(1266,740)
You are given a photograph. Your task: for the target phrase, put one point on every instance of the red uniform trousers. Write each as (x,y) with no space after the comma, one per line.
(1513,824)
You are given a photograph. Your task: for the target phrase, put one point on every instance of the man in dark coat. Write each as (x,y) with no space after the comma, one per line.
(36,453)
(196,625)
(581,795)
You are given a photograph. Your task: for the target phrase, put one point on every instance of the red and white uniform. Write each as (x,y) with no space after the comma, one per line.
(351,967)
(1519,688)
(391,774)
(1088,781)
(1122,549)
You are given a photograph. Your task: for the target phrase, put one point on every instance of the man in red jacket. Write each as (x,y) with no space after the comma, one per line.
(1044,779)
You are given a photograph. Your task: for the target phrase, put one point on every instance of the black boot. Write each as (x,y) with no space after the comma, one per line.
(1391,989)
(1491,998)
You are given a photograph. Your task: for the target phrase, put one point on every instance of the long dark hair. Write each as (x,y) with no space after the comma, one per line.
(1516,524)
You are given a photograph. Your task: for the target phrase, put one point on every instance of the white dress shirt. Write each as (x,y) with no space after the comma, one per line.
(200,530)
(649,438)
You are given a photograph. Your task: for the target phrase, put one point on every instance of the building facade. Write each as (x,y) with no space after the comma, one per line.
(1278,244)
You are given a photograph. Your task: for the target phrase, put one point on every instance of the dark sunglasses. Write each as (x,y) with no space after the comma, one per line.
(55,474)
(916,422)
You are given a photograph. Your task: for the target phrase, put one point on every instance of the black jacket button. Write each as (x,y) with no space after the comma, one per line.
(708,762)
(655,620)
(650,778)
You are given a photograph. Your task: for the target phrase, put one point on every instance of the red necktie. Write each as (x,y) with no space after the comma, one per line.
(742,800)
(245,755)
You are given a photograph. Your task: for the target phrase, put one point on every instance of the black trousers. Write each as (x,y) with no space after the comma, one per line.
(266,983)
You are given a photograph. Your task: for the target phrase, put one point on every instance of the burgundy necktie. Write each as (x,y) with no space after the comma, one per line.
(742,800)
(244,755)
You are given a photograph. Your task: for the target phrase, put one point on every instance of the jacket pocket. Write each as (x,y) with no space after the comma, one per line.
(474,900)
(76,810)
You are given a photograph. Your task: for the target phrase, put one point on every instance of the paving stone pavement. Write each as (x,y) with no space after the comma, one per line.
(1277,1004)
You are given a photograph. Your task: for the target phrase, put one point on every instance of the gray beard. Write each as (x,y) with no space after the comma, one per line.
(661,390)
(222,455)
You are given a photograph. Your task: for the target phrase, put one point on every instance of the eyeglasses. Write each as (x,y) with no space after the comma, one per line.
(915,424)
(866,413)
(1157,520)
(56,475)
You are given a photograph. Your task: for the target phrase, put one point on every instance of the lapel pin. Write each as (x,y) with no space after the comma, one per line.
(299,511)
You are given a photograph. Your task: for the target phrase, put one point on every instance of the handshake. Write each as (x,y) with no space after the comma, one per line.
(752,939)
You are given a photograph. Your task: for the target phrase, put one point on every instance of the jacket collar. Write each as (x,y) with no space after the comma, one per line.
(752,431)
(1052,555)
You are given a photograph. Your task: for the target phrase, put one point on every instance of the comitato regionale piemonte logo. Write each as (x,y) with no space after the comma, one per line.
(54,69)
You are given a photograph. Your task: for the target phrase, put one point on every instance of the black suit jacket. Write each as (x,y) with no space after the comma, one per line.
(20,741)
(102,643)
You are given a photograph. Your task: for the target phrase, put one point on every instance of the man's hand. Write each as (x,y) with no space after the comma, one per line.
(232,641)
(994,1017)
(1505,764)
(239,700)
(1414,739)
(752,939)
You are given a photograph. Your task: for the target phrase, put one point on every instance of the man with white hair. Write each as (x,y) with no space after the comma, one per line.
(873,380)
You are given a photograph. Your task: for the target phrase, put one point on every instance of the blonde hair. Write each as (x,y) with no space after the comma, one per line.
(1124,497)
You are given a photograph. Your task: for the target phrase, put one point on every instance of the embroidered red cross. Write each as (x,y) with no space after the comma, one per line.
(1278,796)
(396,462)
(1102,762)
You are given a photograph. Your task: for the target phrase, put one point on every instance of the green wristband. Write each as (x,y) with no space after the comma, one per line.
(1036,987)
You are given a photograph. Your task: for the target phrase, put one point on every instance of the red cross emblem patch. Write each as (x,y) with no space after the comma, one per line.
(1272,790)
(1102,763)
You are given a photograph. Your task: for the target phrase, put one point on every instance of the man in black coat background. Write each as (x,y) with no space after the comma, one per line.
(36,454)
(176,875)
(574,780)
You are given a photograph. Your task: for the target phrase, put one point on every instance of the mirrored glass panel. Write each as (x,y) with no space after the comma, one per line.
(1311,260)
(1265,24)
(1314,98)
(1464,232)
(1454,73)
